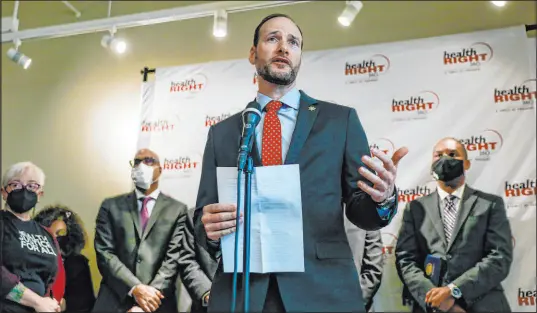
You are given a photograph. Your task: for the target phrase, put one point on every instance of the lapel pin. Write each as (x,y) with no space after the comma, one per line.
(311,108)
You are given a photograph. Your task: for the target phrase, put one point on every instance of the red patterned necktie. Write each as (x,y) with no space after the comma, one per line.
(271,147)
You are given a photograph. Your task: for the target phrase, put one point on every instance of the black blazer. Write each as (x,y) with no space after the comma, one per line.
(328,143)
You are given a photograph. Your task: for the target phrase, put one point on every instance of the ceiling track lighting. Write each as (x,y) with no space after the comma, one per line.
(144,19)
(220,24)
(349,13)
(118,45)
(110,41)
(18,57)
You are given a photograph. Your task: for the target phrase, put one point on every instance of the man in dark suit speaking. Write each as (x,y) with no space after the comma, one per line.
(328,143)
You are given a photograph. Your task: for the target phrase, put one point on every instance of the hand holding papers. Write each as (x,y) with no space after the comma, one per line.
(276,219)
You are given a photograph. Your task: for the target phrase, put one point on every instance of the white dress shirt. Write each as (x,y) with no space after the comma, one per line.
(287,116)
(150,204)
(443,195)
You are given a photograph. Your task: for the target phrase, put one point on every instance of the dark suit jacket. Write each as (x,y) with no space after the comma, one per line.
(477,259)
(126,257)
(328,143)
(197,266)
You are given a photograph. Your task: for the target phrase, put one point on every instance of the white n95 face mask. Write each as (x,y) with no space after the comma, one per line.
(142,176)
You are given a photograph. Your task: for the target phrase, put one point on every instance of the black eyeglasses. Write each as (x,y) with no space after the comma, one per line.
(147,161)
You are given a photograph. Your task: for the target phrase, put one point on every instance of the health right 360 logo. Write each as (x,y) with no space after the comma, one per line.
(484,145)
(467,59)
(415,106)
(189,86)
(519,193)
(521,188)
(367,70)
(518,97)
(526,297)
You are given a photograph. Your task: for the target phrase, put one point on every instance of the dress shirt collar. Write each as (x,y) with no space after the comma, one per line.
(457,193)
(290,99)
(153,195)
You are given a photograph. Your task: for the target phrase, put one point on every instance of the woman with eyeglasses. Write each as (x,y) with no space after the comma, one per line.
(67,227)
(29,252)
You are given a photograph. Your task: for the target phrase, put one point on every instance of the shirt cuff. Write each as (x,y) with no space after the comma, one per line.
(385,208)
(130,292)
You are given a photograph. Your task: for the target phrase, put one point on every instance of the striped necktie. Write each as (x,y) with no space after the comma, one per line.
(450,216)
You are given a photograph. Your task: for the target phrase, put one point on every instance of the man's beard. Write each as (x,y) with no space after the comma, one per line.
(279,78)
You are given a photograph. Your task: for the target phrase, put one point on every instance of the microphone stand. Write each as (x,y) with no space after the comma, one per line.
(247,225)
(245,164)
(247,169)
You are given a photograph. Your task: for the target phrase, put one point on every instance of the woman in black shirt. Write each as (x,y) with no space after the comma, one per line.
(29,253)
(68,229)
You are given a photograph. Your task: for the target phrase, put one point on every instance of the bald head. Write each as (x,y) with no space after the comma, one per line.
(450,146)
(146,153)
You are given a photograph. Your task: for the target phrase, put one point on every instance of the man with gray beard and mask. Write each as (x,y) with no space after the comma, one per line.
(454,247)
(328,143)
(137,242)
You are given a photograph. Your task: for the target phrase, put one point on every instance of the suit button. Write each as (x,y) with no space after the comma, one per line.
(139,260)
(449,257)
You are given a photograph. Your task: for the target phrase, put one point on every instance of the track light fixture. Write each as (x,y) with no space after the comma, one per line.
(351,10)
(110,41)
(117,45)
(18,57)
(220,24)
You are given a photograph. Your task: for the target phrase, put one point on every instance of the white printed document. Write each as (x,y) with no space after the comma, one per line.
(276,235)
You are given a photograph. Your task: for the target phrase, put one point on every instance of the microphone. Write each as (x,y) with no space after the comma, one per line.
(250,118)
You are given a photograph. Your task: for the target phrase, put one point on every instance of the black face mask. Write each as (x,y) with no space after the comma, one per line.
(447,169)
(21,200)
(62,241)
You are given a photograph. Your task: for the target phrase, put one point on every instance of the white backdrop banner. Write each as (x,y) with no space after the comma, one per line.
(478,87)
(532,46)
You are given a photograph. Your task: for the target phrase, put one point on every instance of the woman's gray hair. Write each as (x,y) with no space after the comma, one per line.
(17,169)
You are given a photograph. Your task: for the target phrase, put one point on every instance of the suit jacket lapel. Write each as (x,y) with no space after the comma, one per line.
(132,205)
(431,204)
(157,209)
(307,113)
(468,200)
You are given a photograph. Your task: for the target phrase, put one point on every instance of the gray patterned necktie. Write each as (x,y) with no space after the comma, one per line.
(450,216)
